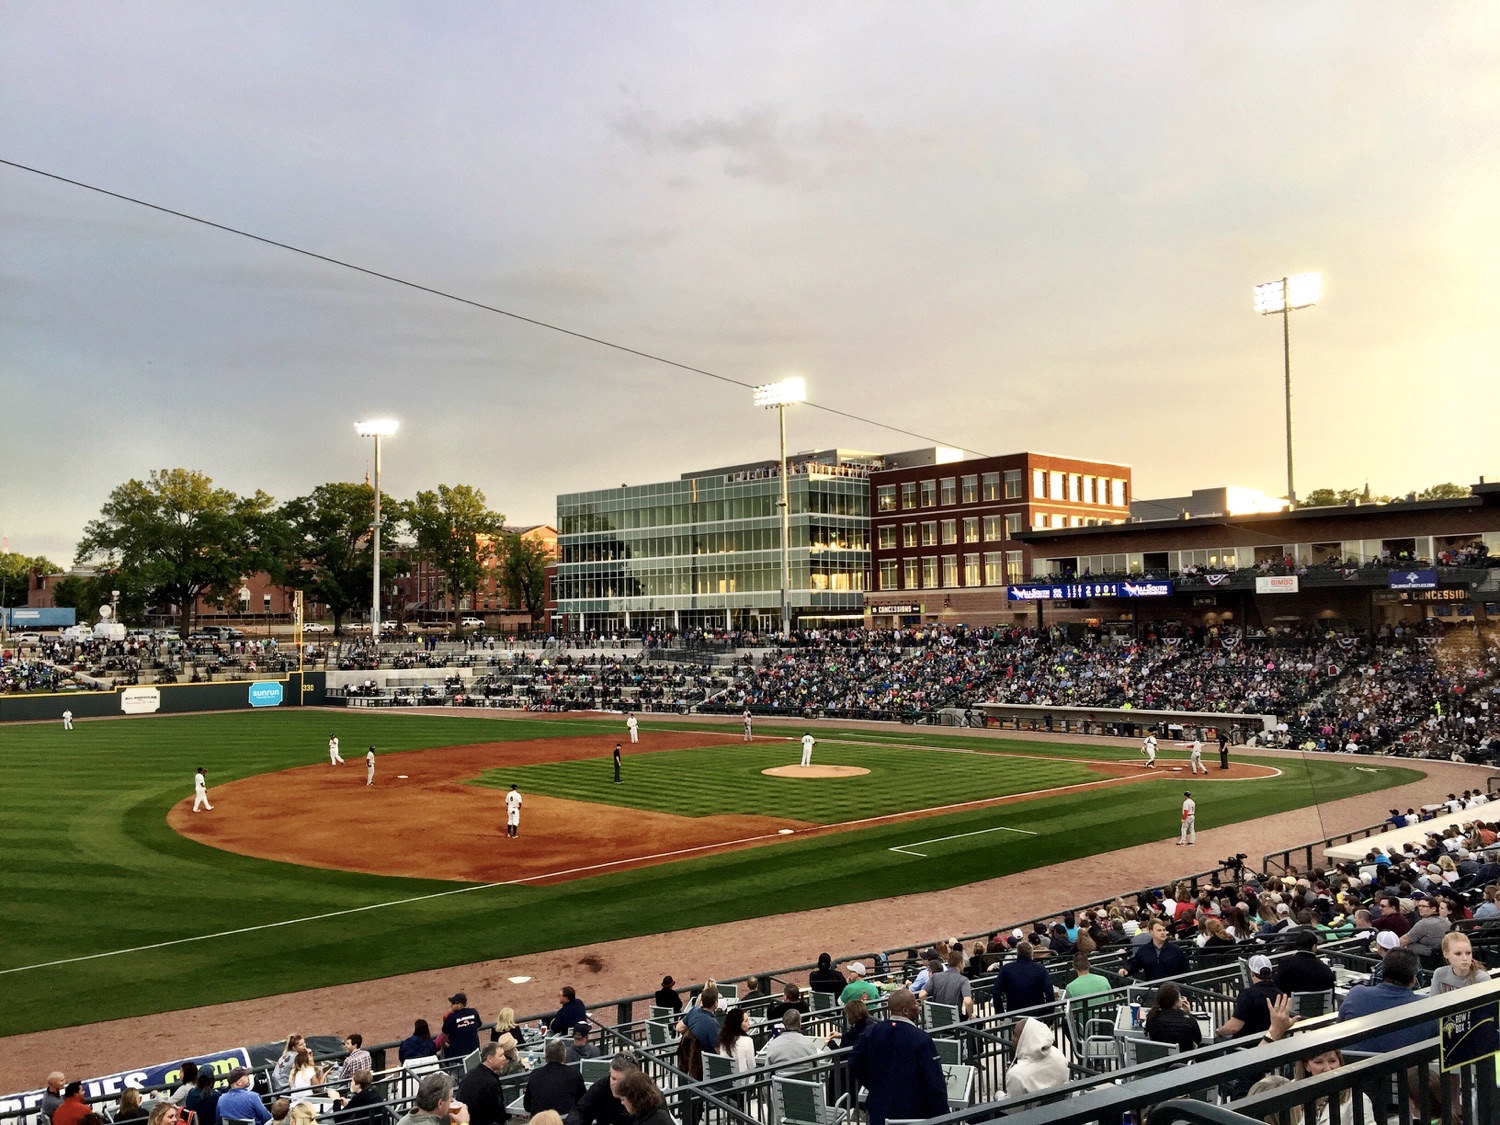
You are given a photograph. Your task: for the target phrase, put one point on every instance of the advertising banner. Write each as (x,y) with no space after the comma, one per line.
(1276,584)
(1138,588)
(140,700)
(1413,580)
(266,693)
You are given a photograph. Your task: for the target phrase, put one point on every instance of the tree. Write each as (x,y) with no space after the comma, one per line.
(16,570)
(523,573)
(456,532)
(1446,491)
(1330,497)
(328,550)
(86,593)
(175,537)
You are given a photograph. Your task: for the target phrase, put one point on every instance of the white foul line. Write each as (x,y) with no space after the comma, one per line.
(906,848)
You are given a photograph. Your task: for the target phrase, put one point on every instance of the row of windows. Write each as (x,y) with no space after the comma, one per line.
(975,529)
(975,488)
(601,582)
(817,537)
(839,498)
(936,572)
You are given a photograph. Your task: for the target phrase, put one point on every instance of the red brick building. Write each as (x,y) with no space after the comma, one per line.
(942,536)
(421,595)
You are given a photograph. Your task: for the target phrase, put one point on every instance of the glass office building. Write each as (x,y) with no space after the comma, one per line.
(705,551)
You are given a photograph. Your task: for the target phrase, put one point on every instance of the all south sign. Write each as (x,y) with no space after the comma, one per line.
(1070,590)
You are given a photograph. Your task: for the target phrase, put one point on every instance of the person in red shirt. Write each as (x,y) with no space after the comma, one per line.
(73,1109)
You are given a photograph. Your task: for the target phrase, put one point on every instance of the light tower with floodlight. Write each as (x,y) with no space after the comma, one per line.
(376,428)
(1299,292)
(778,396)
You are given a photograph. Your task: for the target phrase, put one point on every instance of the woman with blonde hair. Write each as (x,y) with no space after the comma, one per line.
(305,1073)
(163,1113)
(302,1113)
(505,1024)
(130,1105)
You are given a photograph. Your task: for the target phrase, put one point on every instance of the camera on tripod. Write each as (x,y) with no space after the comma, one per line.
(1236,864)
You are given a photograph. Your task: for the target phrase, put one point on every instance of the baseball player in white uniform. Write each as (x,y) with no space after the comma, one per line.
(1189,811)
(513,812)
(334,757)
(369,766)
(807,744)
(748,725)
(635,734)
(67,720)
(1195,760)
(200,791)
(1149,749)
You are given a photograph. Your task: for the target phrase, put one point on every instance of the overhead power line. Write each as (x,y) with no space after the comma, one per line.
(445,295)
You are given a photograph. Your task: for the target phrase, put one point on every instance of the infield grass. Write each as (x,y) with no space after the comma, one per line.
(88,864)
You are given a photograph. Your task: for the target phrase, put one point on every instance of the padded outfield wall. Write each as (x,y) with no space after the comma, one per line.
(295,689)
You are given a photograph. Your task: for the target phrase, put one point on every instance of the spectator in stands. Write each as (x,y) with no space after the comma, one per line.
(666,995)
(358,1058)
(240,1102)
(600,1104)
(418,1045)
(190,1080)
(202,1100)
(1282,1021)
(735,1041)
(791,997)
(570,1015)
(642,1100)
(953,987)
(302,1113)
(1393,992)
(581,1048)
(856,1023)
(1171,1020)
(825,978)
(280,1073)
(130,1105)
(1039,1064)
(480,1088)
(1252,1008)
(52,1096)
(699,1028)
(554,1085)
(897,1062)
(1023,982)
(164,1113)
(1085,981)
(791,1045)
(72,1109)
(1390,916)
(1385,941)
(1425,938)
(512,1053)
(1157,958)
(281,1108)
(932,965)
(364,1098)
(434,1103)
(858,986)
(460,1028)
(505,1024)
(1302,971)
(306,1074)
(1460,970)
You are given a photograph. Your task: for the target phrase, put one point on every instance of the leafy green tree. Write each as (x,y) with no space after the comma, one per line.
(15,575)
(174,536)
(456,531)
(1328,497)
(328,553)
(1445,491)
(85,593)
(523,573)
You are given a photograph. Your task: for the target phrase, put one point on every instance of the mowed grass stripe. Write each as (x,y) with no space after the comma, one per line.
(100,869)
(728,779)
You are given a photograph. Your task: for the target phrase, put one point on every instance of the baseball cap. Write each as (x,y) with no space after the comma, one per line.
(1260,964)
(458,998)
(1417,896)
(1387,940)
(857,968)
(581,1029)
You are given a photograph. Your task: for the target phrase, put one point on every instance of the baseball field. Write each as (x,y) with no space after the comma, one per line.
(116,899)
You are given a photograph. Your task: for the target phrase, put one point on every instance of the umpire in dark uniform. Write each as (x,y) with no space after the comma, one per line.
(617,763)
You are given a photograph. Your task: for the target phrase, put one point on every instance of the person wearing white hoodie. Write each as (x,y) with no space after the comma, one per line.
(1039,1064)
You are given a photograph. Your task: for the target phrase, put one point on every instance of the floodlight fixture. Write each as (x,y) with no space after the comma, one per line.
(377,427)
(782,393)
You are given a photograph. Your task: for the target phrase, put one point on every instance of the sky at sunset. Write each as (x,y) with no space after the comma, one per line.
(1002,226)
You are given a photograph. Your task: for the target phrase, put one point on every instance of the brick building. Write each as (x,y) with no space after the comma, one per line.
(420,594)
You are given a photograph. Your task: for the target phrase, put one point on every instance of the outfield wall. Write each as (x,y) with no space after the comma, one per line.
(295,689)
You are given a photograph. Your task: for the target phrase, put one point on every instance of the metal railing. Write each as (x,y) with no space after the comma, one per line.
(1277,863)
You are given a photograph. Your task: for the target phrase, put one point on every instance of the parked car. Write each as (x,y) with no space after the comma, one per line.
(28,639)
(314,627)
(472,623)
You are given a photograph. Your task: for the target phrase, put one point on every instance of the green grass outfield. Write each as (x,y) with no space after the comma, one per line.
(88,864)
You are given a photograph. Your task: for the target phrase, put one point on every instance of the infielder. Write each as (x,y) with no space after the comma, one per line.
(1195,760)
(67,720)
(807,744)
(1148,748)
(635,734)
(369,766)
(1189,810)
(334,757)
(748,725)
(200,791)
(513,812)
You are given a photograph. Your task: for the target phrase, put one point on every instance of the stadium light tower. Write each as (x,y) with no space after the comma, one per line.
(376,428)
(778,396)
(1299,292)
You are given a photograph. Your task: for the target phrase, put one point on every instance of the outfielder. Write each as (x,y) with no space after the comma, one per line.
(369,766)
(748,724)
(1189,810)
(334,757)
(807,744)
(200,791)
(1195,760)
(513,812)
(635,734)
(1148,748)
(67,720)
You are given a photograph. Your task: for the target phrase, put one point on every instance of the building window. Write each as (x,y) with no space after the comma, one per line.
(1012,525)
(1117,493)
(1012,567)
(992,528)
(911,574)
(929,533)
(970,490)
(908,535)
(1055,485)
(1088,490)
(992,486)
(909,494)
(929,572)
(948,496)
(971,529)
(994,569)
(929,494)
(950,570)
(888,574)
(887,536)
(1013,484)
(950,532)
(885,498)
(1043,519)
(971,570)
(1038,484)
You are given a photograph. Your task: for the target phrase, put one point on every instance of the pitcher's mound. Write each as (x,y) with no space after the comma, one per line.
(815,771)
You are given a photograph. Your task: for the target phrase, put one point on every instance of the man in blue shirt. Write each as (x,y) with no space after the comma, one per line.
(1024,983)
(240,1102)
(570,1015)
(1394,991)
(461,1026)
